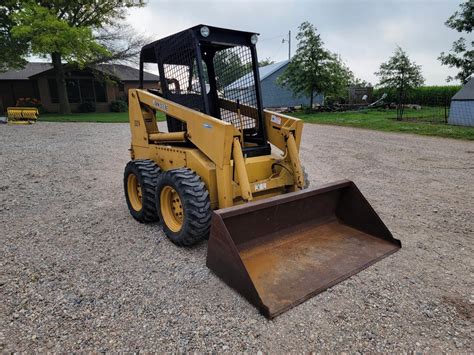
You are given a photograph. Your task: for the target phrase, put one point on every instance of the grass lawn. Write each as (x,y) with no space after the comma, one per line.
(415,121)
(381,120)
(106,117)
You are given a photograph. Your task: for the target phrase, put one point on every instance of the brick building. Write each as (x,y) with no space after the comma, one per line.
(101,84)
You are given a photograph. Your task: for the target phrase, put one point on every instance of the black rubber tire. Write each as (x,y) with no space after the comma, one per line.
(196,204)
(147,173)
(306,178)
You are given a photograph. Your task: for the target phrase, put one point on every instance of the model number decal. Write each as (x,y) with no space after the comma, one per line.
(207,125)
(260,186)
(276,119)
(160,105)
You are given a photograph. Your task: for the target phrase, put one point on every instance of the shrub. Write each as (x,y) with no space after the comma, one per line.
(424,95)
(87,106)
(28,102)
(118,106)
(42,110)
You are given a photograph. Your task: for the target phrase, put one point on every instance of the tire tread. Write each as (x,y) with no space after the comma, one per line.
(196,202)
(147,173)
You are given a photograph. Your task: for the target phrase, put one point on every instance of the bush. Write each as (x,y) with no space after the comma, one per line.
(42,110)
(118,106)
(87,106)
(28,102)
(424,95)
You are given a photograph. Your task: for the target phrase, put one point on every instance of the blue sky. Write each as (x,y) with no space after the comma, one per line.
(363,32)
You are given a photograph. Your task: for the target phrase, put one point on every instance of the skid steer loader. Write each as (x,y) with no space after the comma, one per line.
(228,170)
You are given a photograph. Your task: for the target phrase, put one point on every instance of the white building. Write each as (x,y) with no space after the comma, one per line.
(461,112)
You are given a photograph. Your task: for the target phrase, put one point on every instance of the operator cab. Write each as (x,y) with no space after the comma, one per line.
(215,71)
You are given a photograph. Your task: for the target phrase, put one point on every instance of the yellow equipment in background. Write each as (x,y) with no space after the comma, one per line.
(230,171)
(22,115)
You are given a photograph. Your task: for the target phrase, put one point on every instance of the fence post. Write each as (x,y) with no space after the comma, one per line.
(445,109)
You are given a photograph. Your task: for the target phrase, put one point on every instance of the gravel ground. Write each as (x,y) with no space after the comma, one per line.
(78,273)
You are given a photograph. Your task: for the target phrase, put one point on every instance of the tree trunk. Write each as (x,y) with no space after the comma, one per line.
(403,106)
(64,107)
(400,105)
(311,100)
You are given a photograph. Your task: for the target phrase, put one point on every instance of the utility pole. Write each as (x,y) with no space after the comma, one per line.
(289,44)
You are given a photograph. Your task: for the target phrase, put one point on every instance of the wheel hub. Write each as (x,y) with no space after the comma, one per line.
(134,192)
(171,208)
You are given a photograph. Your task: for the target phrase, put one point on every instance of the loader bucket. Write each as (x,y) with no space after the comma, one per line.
(283,250)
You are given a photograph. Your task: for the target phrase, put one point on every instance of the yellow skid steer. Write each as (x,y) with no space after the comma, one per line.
(229,171)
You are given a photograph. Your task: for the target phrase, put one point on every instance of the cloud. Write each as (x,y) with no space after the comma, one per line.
(363,32)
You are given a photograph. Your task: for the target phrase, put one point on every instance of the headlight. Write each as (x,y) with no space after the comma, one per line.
(254,39)
(205,31)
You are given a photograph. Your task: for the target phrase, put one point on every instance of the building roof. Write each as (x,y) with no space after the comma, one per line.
(466,92)
(246,80)
(126,73)
(30,69)
(120,71)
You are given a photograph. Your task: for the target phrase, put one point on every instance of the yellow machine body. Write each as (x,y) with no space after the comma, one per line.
(229,170)
(217,158)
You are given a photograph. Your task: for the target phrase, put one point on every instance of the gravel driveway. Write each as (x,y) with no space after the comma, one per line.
(78,273)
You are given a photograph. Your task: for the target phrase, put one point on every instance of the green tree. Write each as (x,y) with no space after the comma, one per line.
(66,30)
(358,82)
(313,69)
(228,67)
(261,63)
(12,50)
(461,57)
(399,73)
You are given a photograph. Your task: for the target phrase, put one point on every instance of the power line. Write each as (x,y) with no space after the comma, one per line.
(268,39)
(284,40)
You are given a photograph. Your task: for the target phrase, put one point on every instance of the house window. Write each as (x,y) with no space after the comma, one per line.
(53,91)
(79,90)
(87,89)
(121,87)
(73,92)
(100,91)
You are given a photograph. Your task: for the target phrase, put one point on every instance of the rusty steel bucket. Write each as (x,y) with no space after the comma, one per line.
(283,250)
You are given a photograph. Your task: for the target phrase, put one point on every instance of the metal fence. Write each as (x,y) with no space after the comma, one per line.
(436,112)
(424,104)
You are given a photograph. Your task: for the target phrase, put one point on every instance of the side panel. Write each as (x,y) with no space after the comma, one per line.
(276,124)
(224,183)
(212,136)
(138,128)
(172,157)
(206,169)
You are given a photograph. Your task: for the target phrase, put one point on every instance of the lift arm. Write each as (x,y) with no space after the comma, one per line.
(217,139)
(285,133)
(212,136)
